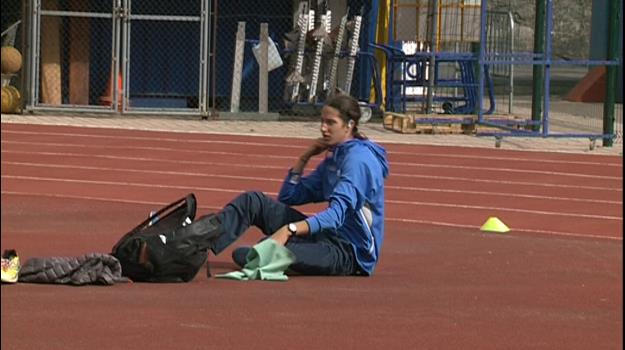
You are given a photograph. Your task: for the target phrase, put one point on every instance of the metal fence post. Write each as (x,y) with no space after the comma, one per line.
(263,79)
(511,78)
(433,12)
(547,66)
(205,59)
(539,48)
(612,55)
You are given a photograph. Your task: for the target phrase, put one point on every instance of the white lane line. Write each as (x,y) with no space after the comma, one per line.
(412,221)
(548,232)
(156,139)
(444,152)
(388,201)
(504,159)
(99,199)
(279,180)
(253,155)
(144,159)
(501,194)
(507,182)
(527,211)
(141,171)
(508,170)
(69,154)
(123,183)
(152,149)
(203,174)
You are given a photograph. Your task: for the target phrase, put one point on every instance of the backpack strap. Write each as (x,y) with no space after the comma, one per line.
(188,203)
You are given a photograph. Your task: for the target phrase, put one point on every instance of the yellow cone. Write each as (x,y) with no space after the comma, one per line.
(493,224)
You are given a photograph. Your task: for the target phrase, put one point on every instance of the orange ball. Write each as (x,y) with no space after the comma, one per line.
(11,60)
(6,100)
(11,99)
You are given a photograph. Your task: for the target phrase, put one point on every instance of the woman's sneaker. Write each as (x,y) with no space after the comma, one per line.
(10,266)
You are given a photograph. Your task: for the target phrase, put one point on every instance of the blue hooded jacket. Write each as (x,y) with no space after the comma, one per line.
(351,180)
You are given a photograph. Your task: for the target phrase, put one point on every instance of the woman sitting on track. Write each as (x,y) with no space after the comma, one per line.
(346,237)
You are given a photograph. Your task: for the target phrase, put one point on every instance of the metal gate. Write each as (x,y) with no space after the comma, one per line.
(119,56)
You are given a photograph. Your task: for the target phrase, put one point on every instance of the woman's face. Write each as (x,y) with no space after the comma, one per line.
(333,129)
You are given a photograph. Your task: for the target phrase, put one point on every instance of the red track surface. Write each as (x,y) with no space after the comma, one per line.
(554,281)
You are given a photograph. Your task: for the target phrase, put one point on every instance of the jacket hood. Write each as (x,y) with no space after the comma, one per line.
(378,151)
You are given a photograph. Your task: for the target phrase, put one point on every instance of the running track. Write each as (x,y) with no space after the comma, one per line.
(71,190)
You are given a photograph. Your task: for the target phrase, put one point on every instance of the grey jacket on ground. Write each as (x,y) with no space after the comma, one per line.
(93,268)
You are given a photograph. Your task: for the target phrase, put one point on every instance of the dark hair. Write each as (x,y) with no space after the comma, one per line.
(349,109)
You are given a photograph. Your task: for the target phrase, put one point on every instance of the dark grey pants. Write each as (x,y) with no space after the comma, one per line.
(324,253)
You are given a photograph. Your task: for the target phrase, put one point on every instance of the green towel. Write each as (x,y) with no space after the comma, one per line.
(266,261)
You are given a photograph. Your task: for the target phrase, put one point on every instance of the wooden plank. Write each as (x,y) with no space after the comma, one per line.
(50,56)
(458,124)
(79,43)
(235,96)
(387,121)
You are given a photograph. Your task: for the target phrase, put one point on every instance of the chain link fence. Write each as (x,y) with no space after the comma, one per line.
(72,43)
(214,58)
(185,57)
(314,49)
(110,56)
(431,57)
(12,56)
(528,80)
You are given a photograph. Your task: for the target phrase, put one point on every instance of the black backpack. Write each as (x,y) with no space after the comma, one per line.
(168,246)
